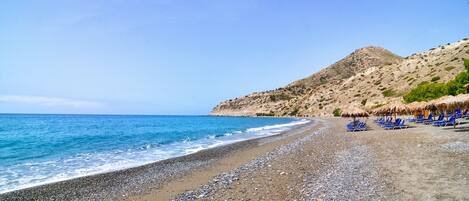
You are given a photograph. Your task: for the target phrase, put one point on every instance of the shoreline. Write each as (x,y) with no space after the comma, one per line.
(137,180)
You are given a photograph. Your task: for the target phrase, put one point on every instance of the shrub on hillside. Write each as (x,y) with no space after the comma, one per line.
(427,91)
(436,78)
(449,68)
(337,112)
(466,64)
(294,112)
(462,78)
(389,93)
(363,102)
(265,114)
(455,88)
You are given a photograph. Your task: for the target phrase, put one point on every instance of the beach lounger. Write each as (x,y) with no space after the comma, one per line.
(402,125)
(360,126)
(440,118)
(387,122)
(430,118)
(452,121)
(419,118)
(457,113)
(465,114)
(394,125)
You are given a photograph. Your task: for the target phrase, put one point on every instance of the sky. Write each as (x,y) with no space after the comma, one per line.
(184,57)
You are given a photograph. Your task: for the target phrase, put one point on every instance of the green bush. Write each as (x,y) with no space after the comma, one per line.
(279,97)
(422,83)
(337,112)
(455,88)
(265,114)
(363,102)
(389,93)
(462,78)
(449,68)
(466,64)
(427,91)
(294,112)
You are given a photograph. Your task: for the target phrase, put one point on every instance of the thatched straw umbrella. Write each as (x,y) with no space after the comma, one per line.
(445,103)
(381,111)
(354,111)
(432,105)
(395,108)
(453,102)
(377,111)
(416,106)
(465,97)
(461,101)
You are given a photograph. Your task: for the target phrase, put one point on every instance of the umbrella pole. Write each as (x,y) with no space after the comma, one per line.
(454,113)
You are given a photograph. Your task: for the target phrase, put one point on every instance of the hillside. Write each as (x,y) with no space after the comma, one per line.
(370,76)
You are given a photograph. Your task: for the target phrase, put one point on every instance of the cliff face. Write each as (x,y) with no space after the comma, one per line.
(370,76)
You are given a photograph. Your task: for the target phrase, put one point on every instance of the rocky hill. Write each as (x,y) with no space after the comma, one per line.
(370,76)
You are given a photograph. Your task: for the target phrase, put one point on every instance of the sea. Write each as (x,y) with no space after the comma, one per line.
(37,149)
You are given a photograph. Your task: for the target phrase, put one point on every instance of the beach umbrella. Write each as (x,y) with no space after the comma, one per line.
(466,100)
(397,107)
(432,105)
(381,111)
(354,111)
(453,102)
(446,103)
(416,106)
(461,101)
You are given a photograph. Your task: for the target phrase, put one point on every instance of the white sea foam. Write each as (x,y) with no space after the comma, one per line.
(38,173)
(279,127)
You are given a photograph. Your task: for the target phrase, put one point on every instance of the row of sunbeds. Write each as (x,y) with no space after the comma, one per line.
(388,124)
(356,125)
(451,121)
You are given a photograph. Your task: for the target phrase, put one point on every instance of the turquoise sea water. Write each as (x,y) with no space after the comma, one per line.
(39,149)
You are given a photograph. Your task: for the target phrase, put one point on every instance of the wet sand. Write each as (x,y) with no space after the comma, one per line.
(314,162)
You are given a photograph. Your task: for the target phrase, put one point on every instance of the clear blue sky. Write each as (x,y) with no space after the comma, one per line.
(183,57)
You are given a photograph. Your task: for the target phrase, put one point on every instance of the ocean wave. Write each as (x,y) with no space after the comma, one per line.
(279,126)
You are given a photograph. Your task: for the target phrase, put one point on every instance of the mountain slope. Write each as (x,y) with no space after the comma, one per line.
(370,76)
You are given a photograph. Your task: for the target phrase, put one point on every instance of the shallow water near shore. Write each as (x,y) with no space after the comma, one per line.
(40,149)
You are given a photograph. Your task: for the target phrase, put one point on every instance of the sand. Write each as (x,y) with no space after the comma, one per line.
(313,162)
